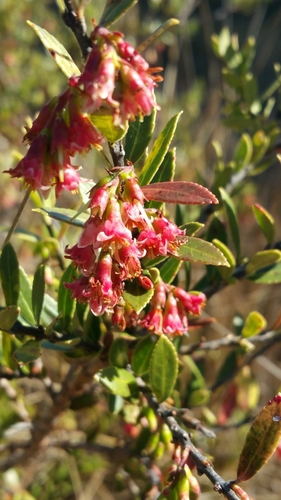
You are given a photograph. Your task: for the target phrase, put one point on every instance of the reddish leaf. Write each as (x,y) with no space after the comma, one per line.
(262,440)
(184,193)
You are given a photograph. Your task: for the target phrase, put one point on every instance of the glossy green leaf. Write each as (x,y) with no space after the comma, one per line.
(103,121)
(163,368)
(261,441)
(28,352)
(38,290)
(158,151)
(115,9)
(136,296)
(25,298)
(225,272)
(138,136)
(243,152)
(267,275)
(118,354)
(232,219)
(57,51)
(8,317)
(9,271)
(262,259)
(265,221)
(170,269)
(64,215)
(66,304)
(142,354)
(118,381)
(179,192)
(197,250)
(254,324)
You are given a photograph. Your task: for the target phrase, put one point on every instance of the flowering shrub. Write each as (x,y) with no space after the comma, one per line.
(121,313)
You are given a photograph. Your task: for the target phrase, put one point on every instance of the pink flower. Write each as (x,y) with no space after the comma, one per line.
(84,258)
(192,303)
(173,322)
(70,182)
(153,320)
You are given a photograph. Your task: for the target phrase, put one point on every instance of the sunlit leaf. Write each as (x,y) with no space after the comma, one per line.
(232,219)
(118,381)
(137,296)
(254,324)
(163,368)
(159,150)
(267,275)
(57,51)
(261,441)
(191,228)
(265,221)
(25,297)
(225,272)
(103,121)
(243,152)
(262,259)
(197,250)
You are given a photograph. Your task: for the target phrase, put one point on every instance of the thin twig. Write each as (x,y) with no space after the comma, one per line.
(17,217)
(76,22)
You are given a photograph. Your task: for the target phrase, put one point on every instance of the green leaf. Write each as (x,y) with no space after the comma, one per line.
(64,215)
(165,173)
(136,296)
(9,345)
(138,136)
(170,269)
(191,228)
(8,317)
(25,298)
(38,289)
(66,304)
(118,354)
(115,403)
(179,192)
(262,259)
(243,152)
(61,346)
(163,368)
(118,381)
(267,275)
(254,324)
(225,273)
(50,310)
(9,271)
(103,120)
(142,354)
(115,9)
(159,150)
(57,51)
(261,441)
(28,352)
(265,221)
(197,250)
(92,329)
(232,219)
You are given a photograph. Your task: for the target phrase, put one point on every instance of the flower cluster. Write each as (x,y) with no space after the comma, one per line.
(116,79)
(117,235)
(170,307)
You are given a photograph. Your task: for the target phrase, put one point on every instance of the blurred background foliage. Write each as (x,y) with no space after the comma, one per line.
(192,82)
